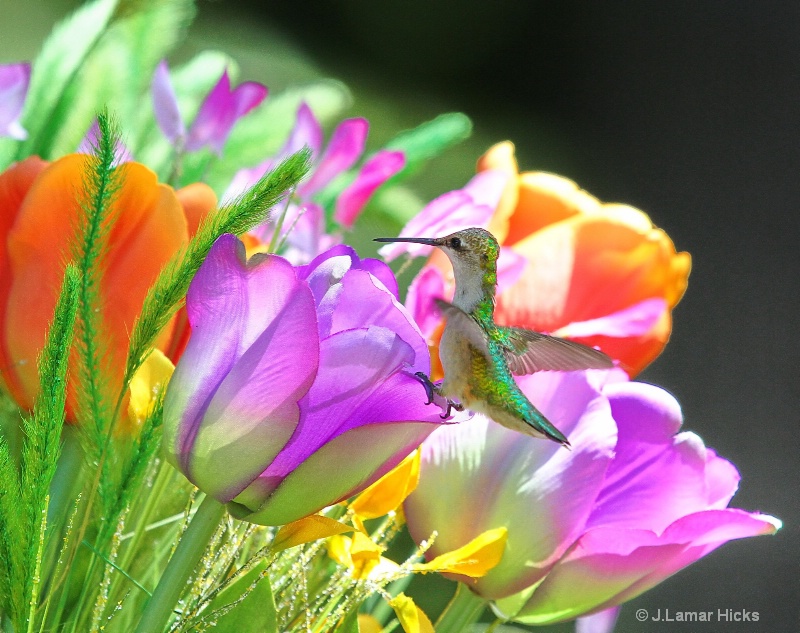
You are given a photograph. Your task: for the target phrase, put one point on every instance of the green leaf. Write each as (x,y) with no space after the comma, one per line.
(430,139)
(55,68)
(247,605)
(349,624)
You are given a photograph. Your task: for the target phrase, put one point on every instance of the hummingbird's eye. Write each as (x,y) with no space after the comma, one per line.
(455,243)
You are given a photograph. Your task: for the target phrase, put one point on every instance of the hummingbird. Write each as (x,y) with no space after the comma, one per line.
(480,357)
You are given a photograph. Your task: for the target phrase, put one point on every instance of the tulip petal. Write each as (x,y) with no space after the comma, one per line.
(310,528)
(341,468)
(609,566)
(149,222)
(165,105)
(14,82)
(636,320)
(362,301)
(243,366)
(522,473)
(15,183)
(343,150)
(657,476)
(147,385)
(389,491)
(424,288)
(600,622)
(352,365)
(372,175)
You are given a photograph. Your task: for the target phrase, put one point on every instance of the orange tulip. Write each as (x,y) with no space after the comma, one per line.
(39,211)
(598,273)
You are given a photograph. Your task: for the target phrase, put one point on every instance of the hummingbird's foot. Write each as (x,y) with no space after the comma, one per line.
(430,388)
(457,406)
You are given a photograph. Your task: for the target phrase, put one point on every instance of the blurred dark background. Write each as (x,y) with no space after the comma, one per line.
(689,111)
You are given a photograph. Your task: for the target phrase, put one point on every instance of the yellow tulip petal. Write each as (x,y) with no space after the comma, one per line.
(147,384)
(368,624)
(474,559)
(411,617)
(365,555)
(339,549)
(311,528)
(389,491)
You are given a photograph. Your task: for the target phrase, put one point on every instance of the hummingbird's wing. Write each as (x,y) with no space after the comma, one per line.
(464,324)
(528,351)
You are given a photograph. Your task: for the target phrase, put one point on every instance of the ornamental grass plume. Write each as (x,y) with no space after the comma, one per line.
(297,386)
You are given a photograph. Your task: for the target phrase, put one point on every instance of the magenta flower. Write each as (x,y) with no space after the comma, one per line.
(14,81)
(296,389)
(216,117)
(634,502)
(343,151)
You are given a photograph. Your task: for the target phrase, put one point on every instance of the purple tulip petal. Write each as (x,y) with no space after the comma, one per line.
(424,288)
(354,387)
(330,267)
(243,371)
(165,105)
(657,476)
(522,473)
(306,132)
(344,149)
(339,468)
(636,320)
(376,171)
(609,566)
(362,301)
(14,82)
(600,622)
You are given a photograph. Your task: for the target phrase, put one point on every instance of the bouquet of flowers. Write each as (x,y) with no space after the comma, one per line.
(218,415)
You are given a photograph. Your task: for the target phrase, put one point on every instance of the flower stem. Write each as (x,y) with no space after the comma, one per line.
(190,550)
(465,608)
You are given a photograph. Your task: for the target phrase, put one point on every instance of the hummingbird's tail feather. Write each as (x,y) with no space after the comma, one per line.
(544,427)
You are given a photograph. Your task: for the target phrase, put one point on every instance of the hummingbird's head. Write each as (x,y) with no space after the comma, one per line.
(469,250)
(473,253)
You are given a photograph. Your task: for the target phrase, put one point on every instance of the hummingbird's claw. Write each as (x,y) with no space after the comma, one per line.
(429,386)
(457,406)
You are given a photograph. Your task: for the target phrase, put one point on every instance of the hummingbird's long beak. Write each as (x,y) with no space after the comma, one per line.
(428,241)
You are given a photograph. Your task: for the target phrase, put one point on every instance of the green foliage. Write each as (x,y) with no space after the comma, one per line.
(169,291)
(57,65)
(247,605)
(24,497)
(103,55)
(428,140)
